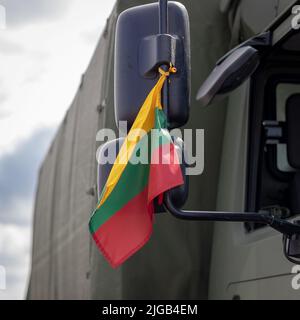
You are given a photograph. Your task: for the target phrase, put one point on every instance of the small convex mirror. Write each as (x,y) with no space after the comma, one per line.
(229,73)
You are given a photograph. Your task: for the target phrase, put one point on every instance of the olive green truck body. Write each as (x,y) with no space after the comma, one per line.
(183,259)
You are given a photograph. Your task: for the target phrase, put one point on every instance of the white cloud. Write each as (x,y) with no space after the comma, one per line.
(20,12)
(18,175)
(18,212)
(19,168)
(43,52)
(15,257)
(41,77)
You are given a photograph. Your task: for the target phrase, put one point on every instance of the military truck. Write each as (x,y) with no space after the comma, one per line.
(240,239)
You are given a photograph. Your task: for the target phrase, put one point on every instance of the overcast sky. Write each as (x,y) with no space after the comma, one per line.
(46,46)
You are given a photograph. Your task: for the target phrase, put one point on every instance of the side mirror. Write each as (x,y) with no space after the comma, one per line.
(229,73)
(140,49)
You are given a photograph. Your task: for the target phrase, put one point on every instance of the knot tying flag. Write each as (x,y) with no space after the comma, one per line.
(122,221)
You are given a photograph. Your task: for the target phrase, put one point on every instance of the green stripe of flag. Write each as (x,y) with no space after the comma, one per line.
(133,180)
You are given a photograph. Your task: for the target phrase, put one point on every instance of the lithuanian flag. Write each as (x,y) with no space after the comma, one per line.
(122,222)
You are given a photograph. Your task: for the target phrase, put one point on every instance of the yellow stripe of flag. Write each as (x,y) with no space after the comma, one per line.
(144,122)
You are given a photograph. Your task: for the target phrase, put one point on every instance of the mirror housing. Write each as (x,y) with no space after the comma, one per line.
(229,73)
(140,50)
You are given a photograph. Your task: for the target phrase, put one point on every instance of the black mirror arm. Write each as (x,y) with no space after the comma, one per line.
(164,29)
(285,227)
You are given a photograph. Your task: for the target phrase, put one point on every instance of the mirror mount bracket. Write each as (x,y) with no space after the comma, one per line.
(261,40)
(258,42)
(288,229)
(158,50)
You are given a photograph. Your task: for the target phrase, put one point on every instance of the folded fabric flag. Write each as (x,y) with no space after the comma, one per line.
(122,222)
